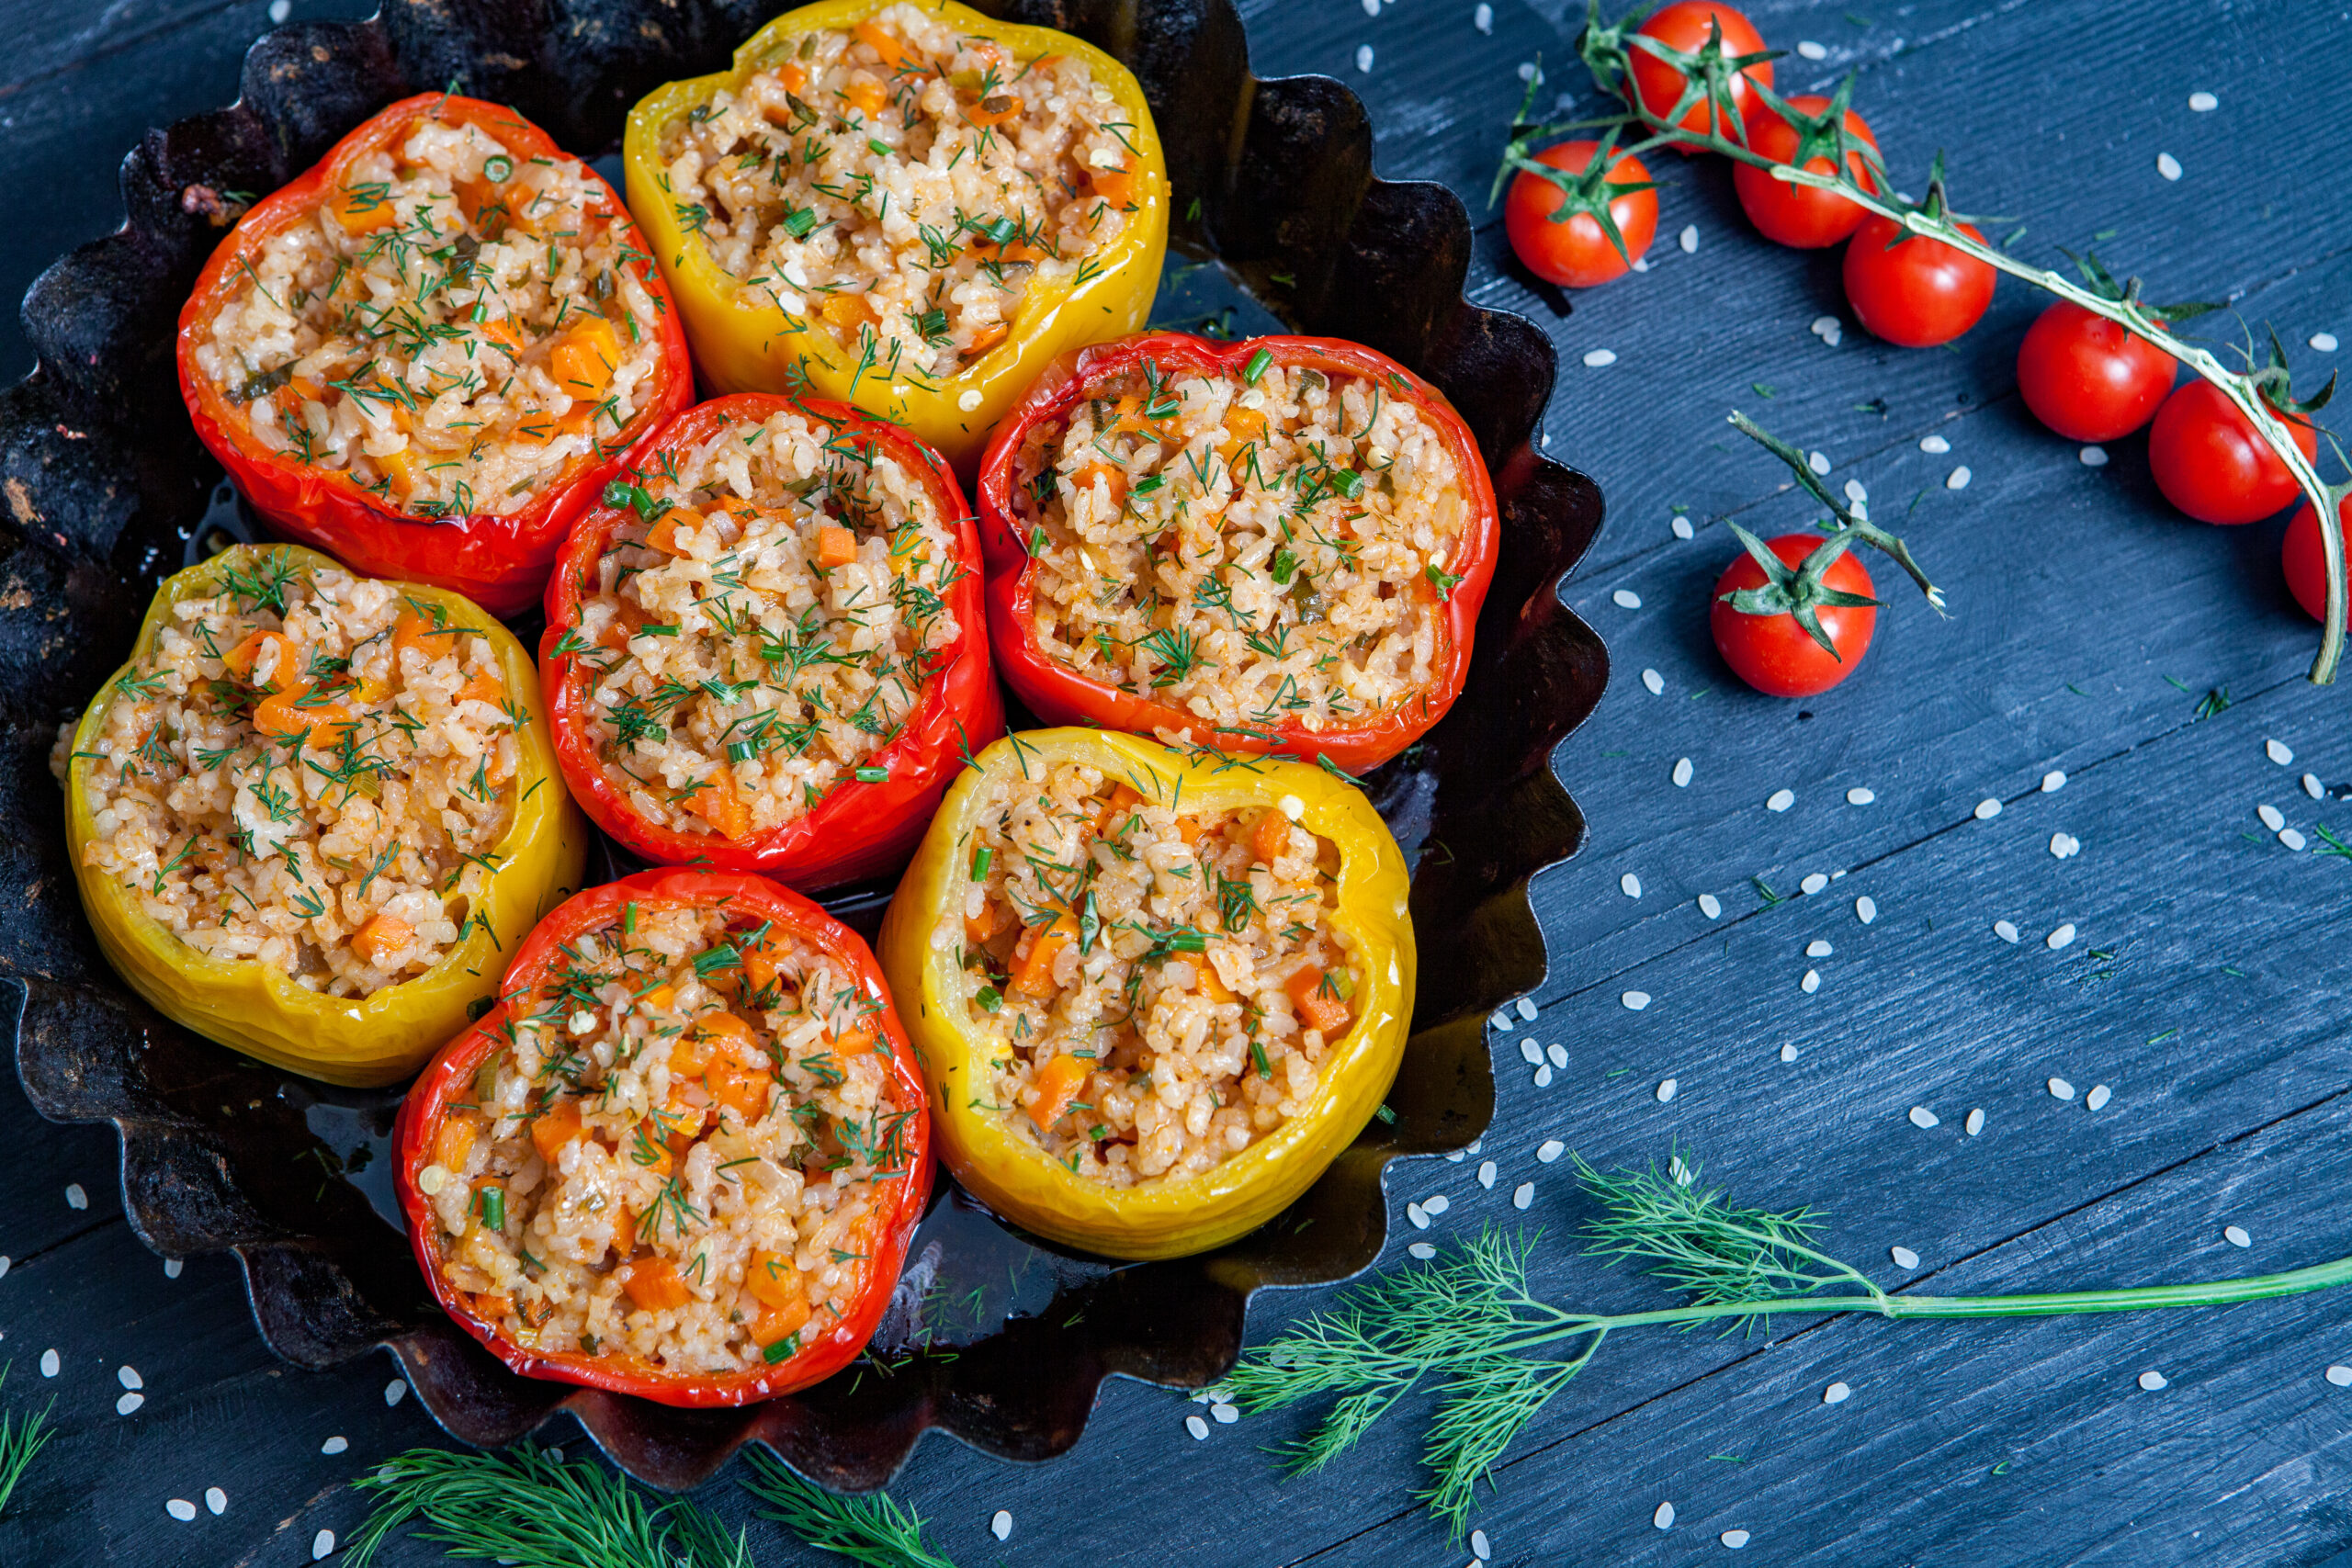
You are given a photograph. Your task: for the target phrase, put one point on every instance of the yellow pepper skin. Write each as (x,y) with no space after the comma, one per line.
(250,1006)
(1160,1218)
(742,341)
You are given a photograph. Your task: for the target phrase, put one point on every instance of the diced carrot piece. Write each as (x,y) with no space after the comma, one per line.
(1117,478)
(582,361)
(723,806)
(691,1056)
(507,334)
(625,1229)
(484,686)
(659,998)
(1247,425)
(762,961)
(1189,829)
(243,658)
(363,210)
(655,1284)
(494,1307)
(868,95)
(664,535)
(628,618)
(775,1323)
(1033,973)
(416,631)
(844,313)
(993,110)
(1058,1082)
(775,1280)
(401,468)
(871,36)
(1117,186)
(728,1035)
(1270,836)
(835,546)
(857,1040)
(981,929)
(1318,1007)
(454,1140)
(741,1090)
(680,1125)
(1018,250)
(381,936)
(1210,983)
(556,1129)
(988,338)
(284,714)
(305,391)
(795,76)
(1116,810)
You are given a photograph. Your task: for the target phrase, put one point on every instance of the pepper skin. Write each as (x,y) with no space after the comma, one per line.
(250,1006)
(1158,1218)
(1058,694)
(744,342)
(499,560)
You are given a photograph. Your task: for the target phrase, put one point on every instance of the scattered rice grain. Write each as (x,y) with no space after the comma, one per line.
(2062,937)
(2237,1235)
(1975,1123)
(2097,1097)
(1835,1394)
(1781,800)
(2167,166)
(1866,908)
(2155,1382)
(1599,358)
(1524,1195)
(1903,1257)
(1709,906)
(1668,1090)
(1552,1149)
(1635,1001)
(1922,1119)
(1957,478)
(2060,1089)
(1654,682)
(2007,930)
(1860,796)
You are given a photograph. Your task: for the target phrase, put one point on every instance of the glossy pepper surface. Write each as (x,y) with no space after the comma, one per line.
(990,1148)
(533,985)
(1060,695)
(868,824)
(498,559)
(251,1006)
(744,340)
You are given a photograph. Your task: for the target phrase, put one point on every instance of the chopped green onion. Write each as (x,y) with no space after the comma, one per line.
(1348,482)
(1283,566)
(494,1208)
(782,1350)
(799,222)
(990,999)
(872,775)
(742,750)
(879,149)
(981,856)
(1257,366)
(1258,1054)
(498,168)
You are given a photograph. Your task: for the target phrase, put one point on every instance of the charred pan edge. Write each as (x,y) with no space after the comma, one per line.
(104,483)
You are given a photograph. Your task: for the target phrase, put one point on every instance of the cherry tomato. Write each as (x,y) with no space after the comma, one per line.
(1791,214)
(1918,293)
(2088,379)
(1576,251)
(1774,654)
(2306,568)
(2210,463)
(1683,26)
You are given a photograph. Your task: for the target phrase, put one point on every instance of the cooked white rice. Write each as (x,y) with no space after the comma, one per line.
(904,185)
(1143,975)
(1257,554)
(688,1160)
(243,815)
(451,339)
(739,679)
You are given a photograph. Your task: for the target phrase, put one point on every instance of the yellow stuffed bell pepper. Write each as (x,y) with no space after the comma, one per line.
(314,811)
(1154,993)
(910,208)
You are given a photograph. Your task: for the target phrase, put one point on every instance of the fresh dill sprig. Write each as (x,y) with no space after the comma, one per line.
(872,1528)
(530,1508)
(1466,1327)
(20,1441)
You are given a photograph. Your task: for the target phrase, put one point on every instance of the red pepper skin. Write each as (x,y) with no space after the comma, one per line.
(498,561)
(450,1077)
(859,830)
(1058,695)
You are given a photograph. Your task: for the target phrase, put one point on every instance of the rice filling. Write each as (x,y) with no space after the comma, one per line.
(1160,986)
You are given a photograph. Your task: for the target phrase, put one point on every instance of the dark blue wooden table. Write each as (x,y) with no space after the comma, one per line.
(2205,992)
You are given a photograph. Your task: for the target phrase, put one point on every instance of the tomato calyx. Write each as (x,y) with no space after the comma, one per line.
(2275,383)
(1851,524)
(1589,194)
(1798,592)
(1825,135)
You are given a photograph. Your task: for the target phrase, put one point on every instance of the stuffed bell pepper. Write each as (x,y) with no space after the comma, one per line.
(684,1156)
(768,653)
(1155,993)
(1278,544)
(315,810)
(910,208)
(428,353)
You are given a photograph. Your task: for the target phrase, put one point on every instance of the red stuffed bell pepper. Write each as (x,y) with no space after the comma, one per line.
(769,653)
(685,1155)
(1278,544)
(427,355)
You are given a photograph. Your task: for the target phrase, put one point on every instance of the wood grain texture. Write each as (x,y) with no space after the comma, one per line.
(2081,608)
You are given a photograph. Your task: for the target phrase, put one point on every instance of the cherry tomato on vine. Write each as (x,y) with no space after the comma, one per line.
(2088,378)
(2306,568)
(2210,462)
(1793,214)
(1917,293)
(1774,652)
(1683,26)
(1575,250)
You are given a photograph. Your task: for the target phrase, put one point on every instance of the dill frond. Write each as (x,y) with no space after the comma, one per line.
(873,1529)
(530,1507)
(20,1441)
